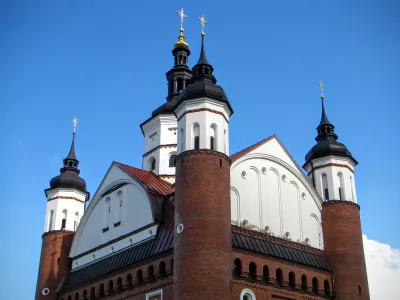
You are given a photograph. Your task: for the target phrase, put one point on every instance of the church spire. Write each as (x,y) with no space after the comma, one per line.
(71,159)
(325,128)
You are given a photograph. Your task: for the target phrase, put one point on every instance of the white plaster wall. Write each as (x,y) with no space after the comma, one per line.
(267,189)
(59,205)
(161,130)
(135,212)
(349,189)
(165,154)
(205,119)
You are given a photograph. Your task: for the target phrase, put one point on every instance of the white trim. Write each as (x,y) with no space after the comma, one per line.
(247,292)
(156,293)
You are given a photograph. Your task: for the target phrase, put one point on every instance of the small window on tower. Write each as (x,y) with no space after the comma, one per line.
(196,142)
(172,160)
(64,219)
(152,164)
(211,143)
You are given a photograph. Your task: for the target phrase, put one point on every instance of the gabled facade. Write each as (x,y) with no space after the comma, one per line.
(195,223)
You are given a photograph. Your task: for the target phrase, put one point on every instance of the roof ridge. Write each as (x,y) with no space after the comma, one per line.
(243,152)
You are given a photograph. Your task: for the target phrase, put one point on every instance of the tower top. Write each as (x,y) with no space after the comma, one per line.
(181,38)
(203,24)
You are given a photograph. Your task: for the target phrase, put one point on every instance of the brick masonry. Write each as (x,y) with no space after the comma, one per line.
(203,251)
(344,249)
(54,262)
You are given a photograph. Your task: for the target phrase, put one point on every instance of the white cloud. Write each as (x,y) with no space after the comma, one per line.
(383,268)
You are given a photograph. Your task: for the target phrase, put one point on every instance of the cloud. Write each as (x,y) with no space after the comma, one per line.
(383,268)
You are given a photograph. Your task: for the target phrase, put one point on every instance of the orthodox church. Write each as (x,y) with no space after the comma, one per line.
(197,222)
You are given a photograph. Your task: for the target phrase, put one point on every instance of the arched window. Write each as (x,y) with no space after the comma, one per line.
(279,277)
(265,275)
(119,284)
(325,189)
(180,84)
(150,273)
(92,293)
(162,270)
(118,210)
(129,280)
(172,160)
(237,269)
(182,139)
(69,297)
(101,290)
(107,213)
(304,282)
(252,272)
(351,186)
(77,296)
(196,136)
(327,288)
(64,219)
(315,285)
(213,137)
(76,222)
(110,287)
(341,186)
(51,216)
(225,141)
(247,295)
(139,277)
(359,289)
(152,164)
(292,280)
(84,294)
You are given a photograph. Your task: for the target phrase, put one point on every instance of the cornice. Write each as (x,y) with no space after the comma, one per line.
(203,109)
(58,232)
(204,152)
(331,165)
(159,147)
(342,202)
(65,198)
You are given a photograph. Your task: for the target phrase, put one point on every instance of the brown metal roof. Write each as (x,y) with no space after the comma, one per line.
(151,181)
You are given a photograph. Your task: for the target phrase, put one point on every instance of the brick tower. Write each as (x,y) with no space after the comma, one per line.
(330,166)
(66,199)
(202,242)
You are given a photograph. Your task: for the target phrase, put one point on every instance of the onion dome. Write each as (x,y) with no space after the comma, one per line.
(69,173)
(327,143)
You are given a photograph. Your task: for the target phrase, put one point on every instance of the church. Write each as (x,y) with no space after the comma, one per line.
(197,222)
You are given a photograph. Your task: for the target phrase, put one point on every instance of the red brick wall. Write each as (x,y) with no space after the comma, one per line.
(54,262)
(344,249)
(266,289)
(133,289)
(203,251)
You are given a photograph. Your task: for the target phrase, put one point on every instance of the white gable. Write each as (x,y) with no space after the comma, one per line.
(120,207)
(268,190)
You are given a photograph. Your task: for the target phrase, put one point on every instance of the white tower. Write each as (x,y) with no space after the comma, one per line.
(329,164)
(160,131)
(203,111)
(66,196)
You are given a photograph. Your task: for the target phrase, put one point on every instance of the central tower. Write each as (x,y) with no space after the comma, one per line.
(203,241)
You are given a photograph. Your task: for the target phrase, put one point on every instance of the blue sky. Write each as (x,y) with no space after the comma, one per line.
(105,62)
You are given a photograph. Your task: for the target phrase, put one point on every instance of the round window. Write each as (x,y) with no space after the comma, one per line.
(179,228)
(45,291)
(247,295)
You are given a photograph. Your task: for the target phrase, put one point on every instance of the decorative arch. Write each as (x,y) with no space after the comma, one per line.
(64,219)
(152,163)
(214,137)
(236,192)
(171,161)
(247,294)
(196,136)
(341,189)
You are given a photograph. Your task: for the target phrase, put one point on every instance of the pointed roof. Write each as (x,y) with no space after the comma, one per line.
(324,117)
(202,58)
(71,154)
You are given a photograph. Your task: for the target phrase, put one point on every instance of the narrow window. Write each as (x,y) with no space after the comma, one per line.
(315,285)
(118,208)
(279,277)
(213,137)
(51,220)
(237,269)
(351,186)
(341,187)
(150,273)
(77,296)
(76,222)
(252,272)
(196,136)
(64,219)
(292,280)
(69,297)
(325,187)
(359,289)
(182,138)
(74,225)
(212,143)
(139,277)
(265,275)
(304,282)
(172,161)
(327,289)
(85,294)
(129,280)
(110,287)
(152,164)
(92,293)
(119,284)
(162,271)
(107,212)
(101,290)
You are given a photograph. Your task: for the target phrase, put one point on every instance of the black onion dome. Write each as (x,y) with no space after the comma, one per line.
(69,174)
(203,82)
(327,143)
(166,108)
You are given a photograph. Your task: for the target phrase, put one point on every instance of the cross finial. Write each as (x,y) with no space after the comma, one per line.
(203,24)
(321,88)
(75,122)
(182,15)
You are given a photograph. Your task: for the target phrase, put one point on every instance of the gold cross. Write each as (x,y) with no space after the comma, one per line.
(182,15)
(75,122)
(321,88)
(203,23)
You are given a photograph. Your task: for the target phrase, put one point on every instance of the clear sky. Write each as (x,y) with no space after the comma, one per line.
(105,62)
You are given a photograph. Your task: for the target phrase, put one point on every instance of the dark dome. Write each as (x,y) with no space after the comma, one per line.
(166,108)
(326,147)
(68,178)
(204,88)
